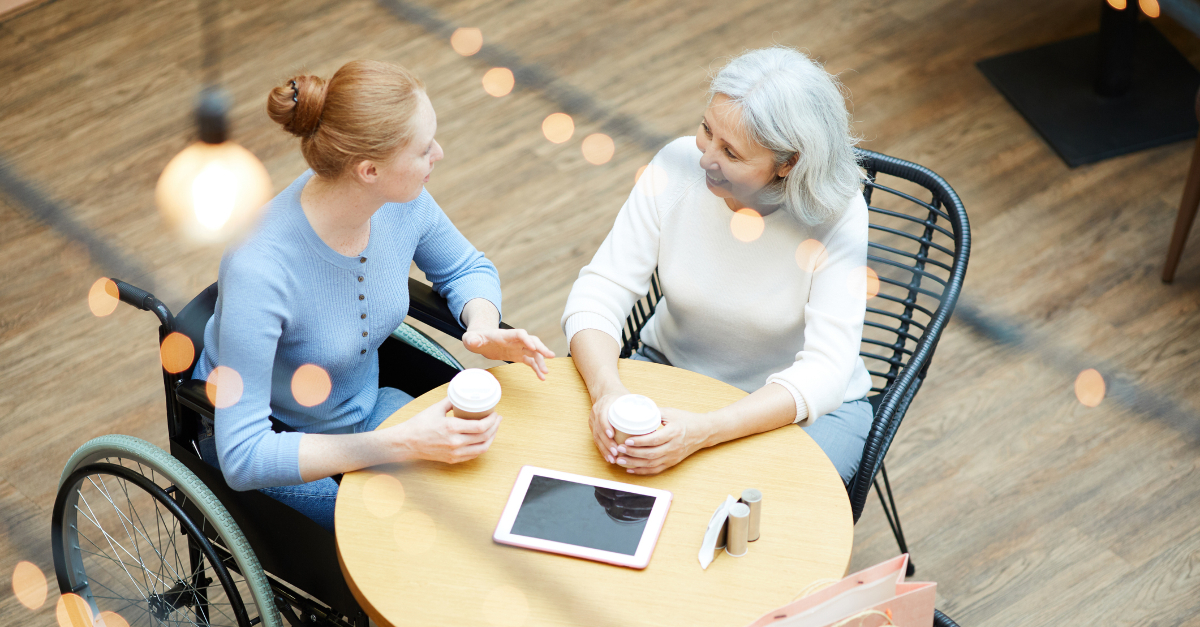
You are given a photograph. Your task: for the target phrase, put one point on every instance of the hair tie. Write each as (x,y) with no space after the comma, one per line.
(295,92)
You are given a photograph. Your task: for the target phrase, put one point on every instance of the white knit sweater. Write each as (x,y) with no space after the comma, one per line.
(746,313)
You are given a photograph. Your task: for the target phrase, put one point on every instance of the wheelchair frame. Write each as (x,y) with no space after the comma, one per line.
(298,556)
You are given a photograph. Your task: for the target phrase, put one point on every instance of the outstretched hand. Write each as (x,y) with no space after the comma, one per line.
(515,345)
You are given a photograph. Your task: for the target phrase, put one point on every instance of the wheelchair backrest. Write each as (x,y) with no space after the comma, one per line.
(192,320)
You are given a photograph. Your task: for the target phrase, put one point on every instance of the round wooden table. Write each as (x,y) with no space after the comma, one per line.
(415,540)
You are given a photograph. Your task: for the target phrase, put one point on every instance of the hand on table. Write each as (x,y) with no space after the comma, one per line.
(681,434)
(434,436)
(515,345)
(602,432)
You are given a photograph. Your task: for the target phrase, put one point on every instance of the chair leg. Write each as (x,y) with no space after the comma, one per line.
(1187,211)
(893,516)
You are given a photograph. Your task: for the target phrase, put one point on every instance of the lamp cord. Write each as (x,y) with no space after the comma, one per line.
(210,35)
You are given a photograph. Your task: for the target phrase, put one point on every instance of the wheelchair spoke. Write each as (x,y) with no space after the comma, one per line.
(138,603)
(125,489)
(110,541)
(121,516)
(125,518)
(84,551)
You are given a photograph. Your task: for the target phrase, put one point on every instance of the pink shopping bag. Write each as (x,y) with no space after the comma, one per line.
(869,598)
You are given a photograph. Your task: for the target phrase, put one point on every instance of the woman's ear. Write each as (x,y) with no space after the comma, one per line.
(366,172)
(788,165)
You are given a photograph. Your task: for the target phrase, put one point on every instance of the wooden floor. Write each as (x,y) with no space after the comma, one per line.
(1025,506)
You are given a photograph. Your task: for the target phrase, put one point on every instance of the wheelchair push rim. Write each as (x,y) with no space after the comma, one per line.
(139,540)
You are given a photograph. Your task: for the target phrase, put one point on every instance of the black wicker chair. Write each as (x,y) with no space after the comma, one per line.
(919,250)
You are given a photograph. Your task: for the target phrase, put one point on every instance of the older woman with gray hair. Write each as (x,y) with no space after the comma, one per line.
(758,229)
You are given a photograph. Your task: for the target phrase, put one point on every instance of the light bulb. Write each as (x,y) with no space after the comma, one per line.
(213,193)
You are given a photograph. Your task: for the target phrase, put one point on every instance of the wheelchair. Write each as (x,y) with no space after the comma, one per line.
(159,537)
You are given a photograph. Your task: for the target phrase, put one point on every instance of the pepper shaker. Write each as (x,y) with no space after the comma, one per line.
(753,499)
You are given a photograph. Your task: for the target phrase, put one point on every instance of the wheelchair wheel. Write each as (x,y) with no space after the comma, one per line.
(136,533)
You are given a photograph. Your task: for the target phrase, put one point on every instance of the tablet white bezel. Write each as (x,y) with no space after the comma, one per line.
(640,558)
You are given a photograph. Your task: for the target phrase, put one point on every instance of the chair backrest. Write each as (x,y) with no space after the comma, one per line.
(919,245)
(631,334)
(192,320)
(918,251)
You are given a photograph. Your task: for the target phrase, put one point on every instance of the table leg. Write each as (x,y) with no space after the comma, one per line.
(1187,210)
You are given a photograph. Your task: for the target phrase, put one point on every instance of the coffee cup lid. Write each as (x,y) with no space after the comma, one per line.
(474,390)
(634,414)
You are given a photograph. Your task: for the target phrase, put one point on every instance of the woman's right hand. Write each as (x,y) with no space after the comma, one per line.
(434,436)
(602,431)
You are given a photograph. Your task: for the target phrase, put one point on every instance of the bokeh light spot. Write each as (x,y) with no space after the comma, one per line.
(384,495)
(311,385)
(864,281)
(29,585)
(1149,7)
(650,180)
(111,619)
(598,148)
(224,387)
(810,254)
(466,41)
(1089,387)
(505,606)
(558,127)
(73,611)
(498,81)
(1117,4)
(747,225)
(176,353)
(415,532)
(103,297)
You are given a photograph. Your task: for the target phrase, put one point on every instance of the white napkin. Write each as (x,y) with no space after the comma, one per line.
(709,546)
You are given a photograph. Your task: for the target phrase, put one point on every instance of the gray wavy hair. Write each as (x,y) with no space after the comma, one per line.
(791,105)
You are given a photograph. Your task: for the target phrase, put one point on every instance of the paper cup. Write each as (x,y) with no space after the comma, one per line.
(631,415)
(473,393)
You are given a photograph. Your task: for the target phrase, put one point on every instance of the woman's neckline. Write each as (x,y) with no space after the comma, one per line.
(314,239)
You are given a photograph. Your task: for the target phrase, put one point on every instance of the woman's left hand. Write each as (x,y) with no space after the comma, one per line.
(681,434)
(515,345)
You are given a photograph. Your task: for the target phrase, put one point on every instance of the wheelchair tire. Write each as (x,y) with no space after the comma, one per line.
(418,340)
(191,564)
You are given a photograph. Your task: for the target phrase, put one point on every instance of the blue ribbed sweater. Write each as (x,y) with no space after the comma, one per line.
(286,299)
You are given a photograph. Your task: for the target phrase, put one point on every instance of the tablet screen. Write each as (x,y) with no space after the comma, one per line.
(583,515)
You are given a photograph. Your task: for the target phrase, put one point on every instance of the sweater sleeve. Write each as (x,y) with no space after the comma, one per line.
(252,309)
(833,319)
(619,274)
(457,270)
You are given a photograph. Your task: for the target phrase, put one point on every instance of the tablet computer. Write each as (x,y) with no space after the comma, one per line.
(595,519)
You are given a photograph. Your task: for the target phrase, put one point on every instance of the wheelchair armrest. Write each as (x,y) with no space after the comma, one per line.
(429,307)
(191,394)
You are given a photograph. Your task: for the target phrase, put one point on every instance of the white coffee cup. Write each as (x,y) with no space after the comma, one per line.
(633,414)
(474,393)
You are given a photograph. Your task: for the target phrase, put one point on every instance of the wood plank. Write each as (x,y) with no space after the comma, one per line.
(1026,506)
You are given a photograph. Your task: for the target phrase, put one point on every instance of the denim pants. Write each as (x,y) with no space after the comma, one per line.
(316,499)
(841,434)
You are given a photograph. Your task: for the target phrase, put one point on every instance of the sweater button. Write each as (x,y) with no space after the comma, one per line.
(362,259)
(364,334)
(361,296)
(364,316)
(364,352)
(360,279)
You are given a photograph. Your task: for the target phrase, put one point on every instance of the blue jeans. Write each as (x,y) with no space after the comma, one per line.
(841,434)
(316,499)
